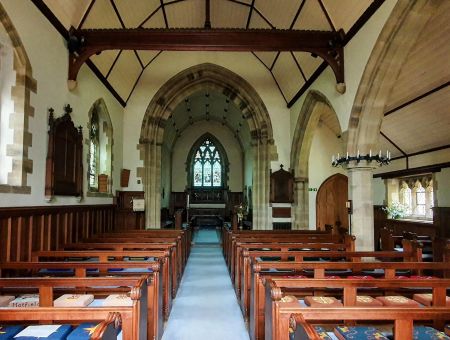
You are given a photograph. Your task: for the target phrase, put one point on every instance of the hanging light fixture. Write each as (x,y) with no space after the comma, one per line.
(369,158)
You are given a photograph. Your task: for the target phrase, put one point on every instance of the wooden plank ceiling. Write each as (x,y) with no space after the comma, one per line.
(290,71)
(417,114)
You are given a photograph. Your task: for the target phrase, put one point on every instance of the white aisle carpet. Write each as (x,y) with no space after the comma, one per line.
(206,307)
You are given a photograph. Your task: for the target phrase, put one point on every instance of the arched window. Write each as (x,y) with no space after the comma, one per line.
(100,150)
(207,166)
(406,197)
(94,144)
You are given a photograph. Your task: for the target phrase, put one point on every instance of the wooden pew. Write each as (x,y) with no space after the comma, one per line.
(85,269)
(176,251)
(261,274)
(250,258)
(134,326)
(402,319)
(103,256)
(227,234)
(241,262)
(107,329)
(127,246)
(275,240)
(280,306)
(185,234)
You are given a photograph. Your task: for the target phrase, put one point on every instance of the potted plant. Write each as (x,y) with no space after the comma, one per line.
(396,210)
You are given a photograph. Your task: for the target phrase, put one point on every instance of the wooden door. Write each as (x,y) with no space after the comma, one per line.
(330,203)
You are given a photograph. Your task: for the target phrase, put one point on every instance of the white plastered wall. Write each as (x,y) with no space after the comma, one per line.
(48,56)
(168,64)
(324,143)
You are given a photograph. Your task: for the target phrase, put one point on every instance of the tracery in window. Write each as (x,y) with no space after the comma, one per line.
(207,166)
(415,193)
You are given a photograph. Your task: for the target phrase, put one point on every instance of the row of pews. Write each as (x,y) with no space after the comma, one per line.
(115,285)
(314,285)
(433,248)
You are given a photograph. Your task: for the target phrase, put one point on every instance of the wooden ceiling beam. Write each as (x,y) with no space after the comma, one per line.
(325,44)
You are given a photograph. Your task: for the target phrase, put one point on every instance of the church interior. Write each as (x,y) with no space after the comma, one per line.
(224,169)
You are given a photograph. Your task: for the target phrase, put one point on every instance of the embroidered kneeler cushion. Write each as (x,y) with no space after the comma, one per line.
(322,302)
(367,301)
(26,300)
(358,333)
(8,332)
(5,300)
(36,332)
(83,331)
(73,300)
(428,333)
(447,330)
(359,277)
(397,301)
(114,300)
(322,333)
(427,299)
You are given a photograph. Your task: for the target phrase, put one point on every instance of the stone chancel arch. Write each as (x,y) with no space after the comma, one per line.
(163,104)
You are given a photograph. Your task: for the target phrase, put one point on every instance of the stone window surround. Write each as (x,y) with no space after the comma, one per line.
(19,119)
(107,127)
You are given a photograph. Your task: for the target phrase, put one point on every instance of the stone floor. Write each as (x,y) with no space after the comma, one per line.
(206,307)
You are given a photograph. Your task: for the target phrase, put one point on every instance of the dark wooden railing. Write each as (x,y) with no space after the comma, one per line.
(27,229)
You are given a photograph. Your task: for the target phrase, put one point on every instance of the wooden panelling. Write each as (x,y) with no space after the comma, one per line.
(24,230)
(281,212)
(438,228)
(126,218)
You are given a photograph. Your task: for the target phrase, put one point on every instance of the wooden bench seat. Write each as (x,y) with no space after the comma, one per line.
(175,263)
(263,271)
(250,257)
(156,305)
(279,302)
(167,276)
(106,329)
(135,324)
(298,325)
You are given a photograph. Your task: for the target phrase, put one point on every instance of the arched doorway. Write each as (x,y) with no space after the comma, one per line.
(242,94)
(331,203)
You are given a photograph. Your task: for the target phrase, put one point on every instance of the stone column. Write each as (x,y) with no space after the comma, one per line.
(360,192)
(152,186)
(261,186)
(301,207)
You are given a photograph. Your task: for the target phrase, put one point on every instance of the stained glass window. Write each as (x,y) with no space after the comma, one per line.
(93,151)
(207,166)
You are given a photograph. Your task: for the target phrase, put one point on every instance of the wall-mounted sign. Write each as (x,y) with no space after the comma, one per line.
(138,204)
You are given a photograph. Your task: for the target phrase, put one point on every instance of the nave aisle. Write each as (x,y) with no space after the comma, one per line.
(206,307)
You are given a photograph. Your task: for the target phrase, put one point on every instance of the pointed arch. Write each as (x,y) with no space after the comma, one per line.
(244,96)
(398,36)
(18,119)
(315,106)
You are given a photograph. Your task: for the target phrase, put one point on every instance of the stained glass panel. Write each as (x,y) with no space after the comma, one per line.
(217,174)
(207,174)
(207,169)
(198,176)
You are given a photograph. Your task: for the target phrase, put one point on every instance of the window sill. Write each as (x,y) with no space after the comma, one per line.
(413,220)
(99,194)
